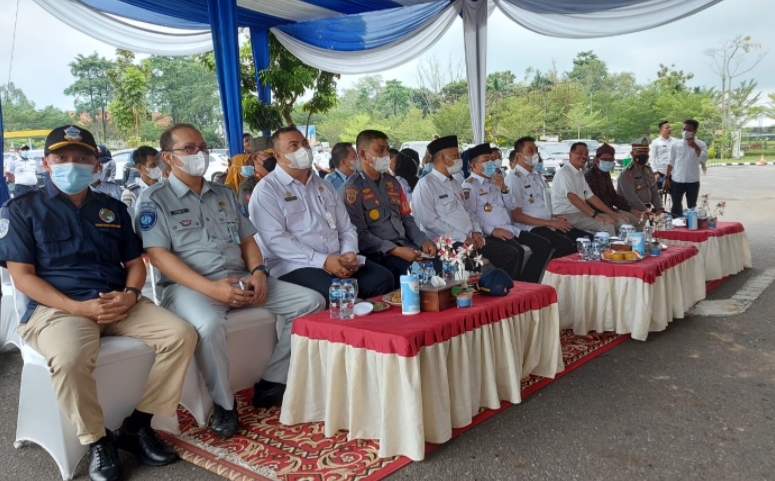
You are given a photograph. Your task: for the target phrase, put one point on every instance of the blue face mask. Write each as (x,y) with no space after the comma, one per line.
(489,169)
(25,154)
(248,171)
(538,168)
(606,165)
(71,178)
(428,168)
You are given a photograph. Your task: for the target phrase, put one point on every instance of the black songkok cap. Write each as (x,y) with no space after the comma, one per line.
(481,149)
(448,142)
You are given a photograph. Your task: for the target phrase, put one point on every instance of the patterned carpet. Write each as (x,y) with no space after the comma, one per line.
(266,450)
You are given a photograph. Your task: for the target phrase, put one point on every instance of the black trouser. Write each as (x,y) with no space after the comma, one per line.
(398,266)
(504,254)
(677,191)
(373,280)
(19,189)
(563,243)
(542,252)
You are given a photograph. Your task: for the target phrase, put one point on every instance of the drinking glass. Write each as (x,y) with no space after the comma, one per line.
(354,283)
(581,246)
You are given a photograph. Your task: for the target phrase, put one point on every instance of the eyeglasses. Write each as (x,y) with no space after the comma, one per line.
(193,149)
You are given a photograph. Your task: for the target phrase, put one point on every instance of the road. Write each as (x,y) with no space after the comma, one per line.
(693,402)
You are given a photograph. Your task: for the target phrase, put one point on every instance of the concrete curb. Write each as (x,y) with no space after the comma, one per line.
(732,164)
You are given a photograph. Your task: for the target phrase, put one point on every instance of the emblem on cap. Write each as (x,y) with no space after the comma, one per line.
(73,134)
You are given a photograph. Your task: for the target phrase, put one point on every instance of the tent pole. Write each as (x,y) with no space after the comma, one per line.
(223,25)
(4,193)
(475,40)
(259,41)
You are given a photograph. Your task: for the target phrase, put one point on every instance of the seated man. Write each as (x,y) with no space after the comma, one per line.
(377,205)
(599,180)
(303,227)
(573,199)
(343,160)
(202,242)
(150,173)
(439,205)
(527,187)
(491,202)
(106,187)
(258,166)
(638,184)
(73,252)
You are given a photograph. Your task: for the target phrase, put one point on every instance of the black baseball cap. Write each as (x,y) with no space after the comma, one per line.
(69,136)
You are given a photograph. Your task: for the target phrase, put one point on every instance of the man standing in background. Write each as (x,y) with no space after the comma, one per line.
(683,168)
(659,152)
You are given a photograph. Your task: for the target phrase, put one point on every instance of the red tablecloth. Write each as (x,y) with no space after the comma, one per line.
(646,270)
(391,332)
(701,235)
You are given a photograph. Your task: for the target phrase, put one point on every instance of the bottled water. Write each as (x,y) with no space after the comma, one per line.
(335,299)
(430,272)
(347,309)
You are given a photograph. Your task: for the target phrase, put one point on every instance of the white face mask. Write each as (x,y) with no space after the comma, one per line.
(381,164)
(301,159)
(456,167)
(154,173)
(195,165)
(532,160)
(688,135)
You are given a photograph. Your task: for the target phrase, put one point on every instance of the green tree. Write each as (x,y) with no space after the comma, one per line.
(183,89)
(589,70)
(357,124)
(394,99)
(92,90)
(455,119)
(130,83)
(516,118)
(413,126)
(581,116)
(19,113)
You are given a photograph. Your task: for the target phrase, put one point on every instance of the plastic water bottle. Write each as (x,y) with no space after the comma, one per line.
(335,299)
(430,272)
(347,310)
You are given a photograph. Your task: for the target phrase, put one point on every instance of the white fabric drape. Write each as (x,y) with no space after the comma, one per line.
(118,33)
(475,16)
(596,303)
(724,256)
(376,59)
(597,18)
(406,401)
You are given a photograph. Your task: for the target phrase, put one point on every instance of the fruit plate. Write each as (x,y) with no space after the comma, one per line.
(379,306)
(390,298)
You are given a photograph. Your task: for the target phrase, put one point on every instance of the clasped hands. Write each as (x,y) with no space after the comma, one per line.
(108,308)
(410,254)
(343,266)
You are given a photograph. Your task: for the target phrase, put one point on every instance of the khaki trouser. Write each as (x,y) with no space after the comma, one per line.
(582,221)
(70,345)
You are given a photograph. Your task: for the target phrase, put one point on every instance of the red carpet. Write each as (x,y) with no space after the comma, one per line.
(266,450)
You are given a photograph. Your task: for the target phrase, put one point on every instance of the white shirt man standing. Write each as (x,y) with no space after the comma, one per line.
(21,171)
(659,151)
(683,168)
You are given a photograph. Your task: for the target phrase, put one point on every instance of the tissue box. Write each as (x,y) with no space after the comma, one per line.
(703,223)
(437,299)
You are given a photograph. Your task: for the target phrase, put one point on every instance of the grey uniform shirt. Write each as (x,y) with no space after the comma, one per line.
(299,225)
(204,230)
(108,188)
(491,207)
(109,171)
(438,204)
(381,214)
(638,187)
(527,189)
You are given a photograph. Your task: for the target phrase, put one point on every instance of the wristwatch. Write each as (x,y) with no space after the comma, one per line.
(261,268)
(595,214)
(136,291)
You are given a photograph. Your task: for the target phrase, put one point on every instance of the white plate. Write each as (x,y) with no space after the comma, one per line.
(363,309)
(625,261)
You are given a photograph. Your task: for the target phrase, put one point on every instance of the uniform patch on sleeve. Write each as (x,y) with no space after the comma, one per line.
(246,197)
(351,195)
(466,194)
(5,226)
(147,219)
(242,210)
(148,206)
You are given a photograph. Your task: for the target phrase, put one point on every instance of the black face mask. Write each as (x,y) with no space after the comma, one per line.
(641,159)
(270,164)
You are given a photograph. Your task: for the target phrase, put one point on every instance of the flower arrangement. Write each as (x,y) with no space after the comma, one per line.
(655,221)
(714,214)
(456,258)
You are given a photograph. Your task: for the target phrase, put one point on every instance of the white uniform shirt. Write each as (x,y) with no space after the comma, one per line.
(492,207)
(659,153)
(23,171)
(527,189)
(568,180)
(299,225)
(438,205)
(686,164)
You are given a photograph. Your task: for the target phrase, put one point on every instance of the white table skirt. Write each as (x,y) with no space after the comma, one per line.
(724,256)
(405,401)
(627,305)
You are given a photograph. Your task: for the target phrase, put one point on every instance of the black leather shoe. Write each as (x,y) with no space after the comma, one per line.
(148,446)
(225,422)
(104,464)
(267,394)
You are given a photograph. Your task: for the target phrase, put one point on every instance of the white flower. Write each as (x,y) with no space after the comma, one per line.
(478,262)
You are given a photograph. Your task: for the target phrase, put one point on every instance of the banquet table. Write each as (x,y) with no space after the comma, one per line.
(635,298)
(724,249)
(408,380)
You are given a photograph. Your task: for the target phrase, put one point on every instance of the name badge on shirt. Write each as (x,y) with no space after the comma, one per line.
(443,196)
(181,211)
(233,233)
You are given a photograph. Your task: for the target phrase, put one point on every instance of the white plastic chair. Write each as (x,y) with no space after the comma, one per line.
(9,320)
(121,372)
(548,199)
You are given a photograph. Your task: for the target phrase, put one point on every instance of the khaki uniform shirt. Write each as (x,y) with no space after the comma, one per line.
(638,187)
(204,230)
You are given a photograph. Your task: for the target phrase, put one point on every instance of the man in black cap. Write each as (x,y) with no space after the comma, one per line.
(438,203)
(74,253)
